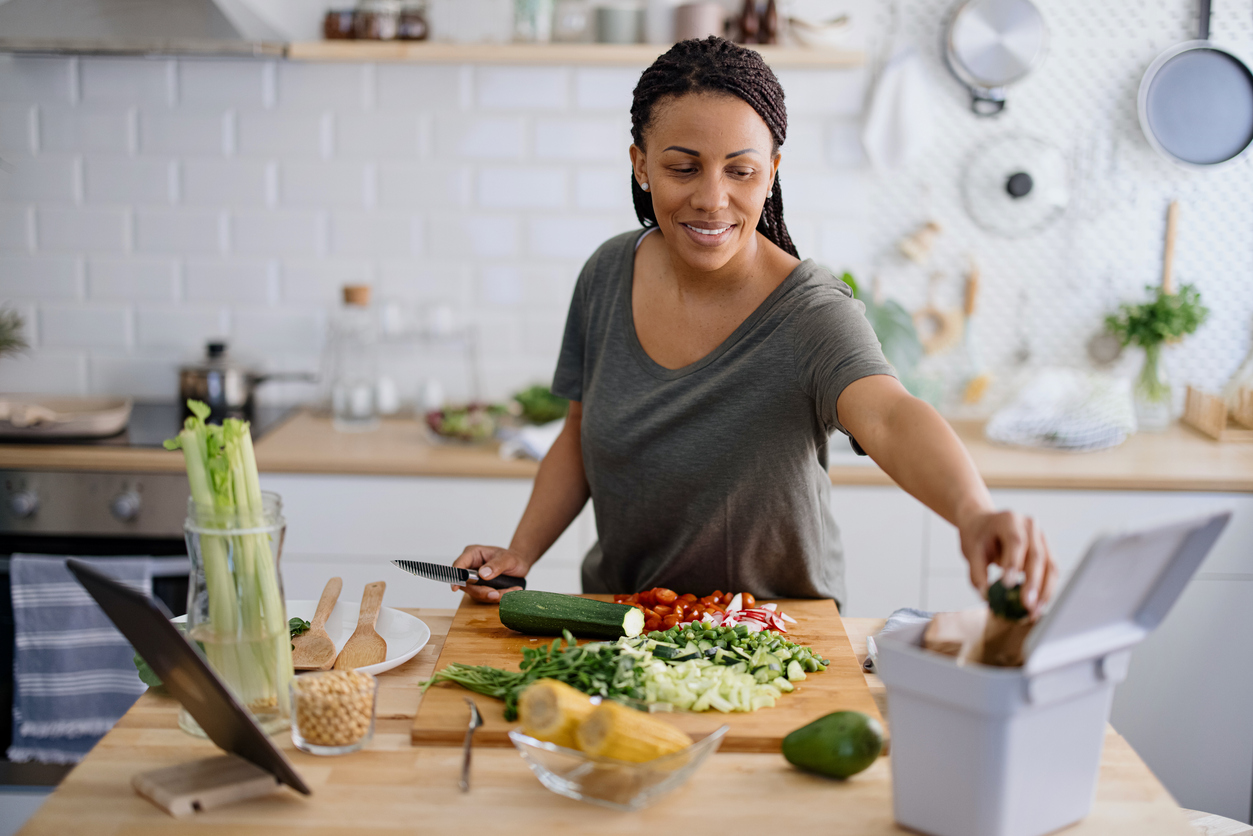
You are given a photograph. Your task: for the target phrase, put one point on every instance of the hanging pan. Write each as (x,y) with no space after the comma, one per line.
(1196,102)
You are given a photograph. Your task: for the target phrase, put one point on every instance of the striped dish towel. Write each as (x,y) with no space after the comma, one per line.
(73,672)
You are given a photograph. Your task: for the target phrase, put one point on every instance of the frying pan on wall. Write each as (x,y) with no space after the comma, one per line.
(1196,102)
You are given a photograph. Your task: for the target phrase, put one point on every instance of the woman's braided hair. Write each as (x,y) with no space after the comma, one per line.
(714,65)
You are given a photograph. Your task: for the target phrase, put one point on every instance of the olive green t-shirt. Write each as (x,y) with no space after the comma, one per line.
(714,475)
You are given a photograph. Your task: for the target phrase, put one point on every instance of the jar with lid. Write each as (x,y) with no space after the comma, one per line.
(354,361)
(413,25)
(377,20)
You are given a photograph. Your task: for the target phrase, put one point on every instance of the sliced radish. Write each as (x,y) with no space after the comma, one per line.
(769,606)
(737,603)
(788,618)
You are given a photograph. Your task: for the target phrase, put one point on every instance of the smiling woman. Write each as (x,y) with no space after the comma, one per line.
(707,367)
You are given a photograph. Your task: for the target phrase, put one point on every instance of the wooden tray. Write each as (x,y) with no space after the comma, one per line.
(477,637)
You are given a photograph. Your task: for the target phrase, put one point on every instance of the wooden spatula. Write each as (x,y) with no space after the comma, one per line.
(314,651)
(365,646)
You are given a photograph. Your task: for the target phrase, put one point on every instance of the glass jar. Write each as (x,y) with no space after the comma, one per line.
(333,711)
(377,20)
(412,25)
(1152,393)
(235,607)
(338,25)
(354,360)
(533,21)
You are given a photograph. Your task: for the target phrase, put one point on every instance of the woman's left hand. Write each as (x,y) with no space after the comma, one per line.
(1015,543)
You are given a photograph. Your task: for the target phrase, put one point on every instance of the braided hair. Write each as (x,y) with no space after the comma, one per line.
(714,65)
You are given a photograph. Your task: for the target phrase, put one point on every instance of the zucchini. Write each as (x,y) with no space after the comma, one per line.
(548,613)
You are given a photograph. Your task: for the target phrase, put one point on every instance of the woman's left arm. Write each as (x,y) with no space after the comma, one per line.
(919,450)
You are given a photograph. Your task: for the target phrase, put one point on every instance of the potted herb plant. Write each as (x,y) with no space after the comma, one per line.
(1166,317)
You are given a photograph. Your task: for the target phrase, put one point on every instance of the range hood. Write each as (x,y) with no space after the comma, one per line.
(136,27)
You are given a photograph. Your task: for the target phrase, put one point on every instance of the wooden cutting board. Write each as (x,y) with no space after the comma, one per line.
(477,637)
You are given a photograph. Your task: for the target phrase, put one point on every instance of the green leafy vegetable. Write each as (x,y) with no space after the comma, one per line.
(1006,602)
(540,406)
(12,338)
(476,422)
(1166,316)
(298,626)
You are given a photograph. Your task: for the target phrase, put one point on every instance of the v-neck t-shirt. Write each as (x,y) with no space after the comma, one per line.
(714,475)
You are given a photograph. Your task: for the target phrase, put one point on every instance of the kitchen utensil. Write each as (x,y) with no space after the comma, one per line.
(1168,251)
(699,20)
(455,576)
(229,388)
(476,720)
(610,783)
(991,44)
(939,329)
(977,379)
(365,646)
(1016,185)
(1196,102)
(314,650)
(43,416)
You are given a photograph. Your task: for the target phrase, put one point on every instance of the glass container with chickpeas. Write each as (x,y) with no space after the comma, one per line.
(333,711)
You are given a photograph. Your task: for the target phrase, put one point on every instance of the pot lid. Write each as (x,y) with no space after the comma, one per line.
(1016,185)
(996,42)
(216,357)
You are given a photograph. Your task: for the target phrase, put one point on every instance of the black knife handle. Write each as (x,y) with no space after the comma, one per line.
(501,582)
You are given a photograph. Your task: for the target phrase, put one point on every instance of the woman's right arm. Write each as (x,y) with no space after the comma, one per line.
(559,494)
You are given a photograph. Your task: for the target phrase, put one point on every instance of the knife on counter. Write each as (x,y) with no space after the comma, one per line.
(453,575)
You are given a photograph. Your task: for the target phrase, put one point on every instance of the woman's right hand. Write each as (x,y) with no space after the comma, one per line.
(488,562)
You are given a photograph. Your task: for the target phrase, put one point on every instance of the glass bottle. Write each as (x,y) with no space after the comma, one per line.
(354,363)
(1152,392)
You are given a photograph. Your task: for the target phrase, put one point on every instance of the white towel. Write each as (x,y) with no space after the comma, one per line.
(1067,409)
(531,442)
(900,122)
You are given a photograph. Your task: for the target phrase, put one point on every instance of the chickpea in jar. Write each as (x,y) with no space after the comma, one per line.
(333,711)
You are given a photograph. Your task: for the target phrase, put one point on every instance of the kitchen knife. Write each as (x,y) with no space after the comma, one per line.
(453,575)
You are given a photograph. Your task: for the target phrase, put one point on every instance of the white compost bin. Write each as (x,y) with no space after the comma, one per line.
(984,751)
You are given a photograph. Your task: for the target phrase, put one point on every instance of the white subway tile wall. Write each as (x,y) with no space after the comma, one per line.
(147,205)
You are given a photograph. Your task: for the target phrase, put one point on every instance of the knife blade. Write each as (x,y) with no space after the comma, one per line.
(454,575)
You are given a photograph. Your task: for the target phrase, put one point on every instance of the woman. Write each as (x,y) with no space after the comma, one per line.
(707,366)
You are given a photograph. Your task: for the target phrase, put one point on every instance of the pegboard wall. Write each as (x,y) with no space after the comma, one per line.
(1043,296)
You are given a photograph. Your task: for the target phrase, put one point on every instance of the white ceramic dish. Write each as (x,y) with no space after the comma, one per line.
(45,416)
(405,635)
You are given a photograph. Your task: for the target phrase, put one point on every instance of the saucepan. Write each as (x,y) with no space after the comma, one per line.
(228,387)
(1196,102)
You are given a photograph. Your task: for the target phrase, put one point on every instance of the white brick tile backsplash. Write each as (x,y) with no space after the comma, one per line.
(375,234)
(132,279)
(46,372)
(323,184)
(285,135)
(147,378)
(17,130)
(181,131)
(522,188)
(38,277)
(126,80)
(804,146)
(244,282)
(840,193)
(473,236)
(842,246)
(480,138)
(83,327)
(407,87)
(16,228)
(541,335)
(51,178)
(804,232)
(89,129)
(501,285)
(178,231)
(229,82)
(392,135)
(224,182)
(843,143)
(178,327)
(499,334)
(531,287)
(27,78)
(583,140)
(573,236)
(426,281)
(122,180)
(522,88)
(312,86)
(406,186)
(282,233)
(319,282)
(81,230)
(824,92)
(290,331)
(605,88)
(603,188)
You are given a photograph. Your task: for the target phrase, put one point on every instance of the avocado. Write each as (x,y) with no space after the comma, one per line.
(838,745)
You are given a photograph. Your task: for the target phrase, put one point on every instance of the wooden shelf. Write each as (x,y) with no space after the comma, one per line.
(426,52)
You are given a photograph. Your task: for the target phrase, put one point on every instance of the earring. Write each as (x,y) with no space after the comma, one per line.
(770,193)
(644,186)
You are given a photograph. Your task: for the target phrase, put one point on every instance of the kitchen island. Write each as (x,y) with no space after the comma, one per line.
(394,788)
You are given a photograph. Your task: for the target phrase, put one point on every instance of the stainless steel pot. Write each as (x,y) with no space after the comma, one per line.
(228,387)
(990,44)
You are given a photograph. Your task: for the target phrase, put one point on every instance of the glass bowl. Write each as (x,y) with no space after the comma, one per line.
(608,782)
(333,711)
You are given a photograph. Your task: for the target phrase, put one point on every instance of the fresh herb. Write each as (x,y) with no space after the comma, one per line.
(146,674)
(1006,602)
(1167,316)
(540,406)
(12,340)
(298,626)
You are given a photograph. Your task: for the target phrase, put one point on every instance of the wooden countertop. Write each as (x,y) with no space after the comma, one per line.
(1176,460)
(394,788)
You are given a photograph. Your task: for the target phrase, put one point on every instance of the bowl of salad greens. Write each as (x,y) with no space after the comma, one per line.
(470,423)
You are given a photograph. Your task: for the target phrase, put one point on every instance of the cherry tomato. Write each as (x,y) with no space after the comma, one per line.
(665,596)
(670,620)
(748,600)
(650,626)
(662,610)
(717,594)
(687,596)
(645,598)
(725,599)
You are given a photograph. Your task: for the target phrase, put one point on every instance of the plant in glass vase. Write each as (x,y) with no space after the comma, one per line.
(1165,318)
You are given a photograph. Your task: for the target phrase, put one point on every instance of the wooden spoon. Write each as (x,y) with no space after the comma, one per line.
(365,646)
(314,650)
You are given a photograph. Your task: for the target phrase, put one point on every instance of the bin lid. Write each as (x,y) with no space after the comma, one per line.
(1122,589)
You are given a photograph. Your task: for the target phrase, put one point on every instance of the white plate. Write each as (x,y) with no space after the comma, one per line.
(405,635)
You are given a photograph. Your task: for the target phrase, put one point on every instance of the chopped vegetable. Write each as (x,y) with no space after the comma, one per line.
(475,422)
(1006,602)
(663,609)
